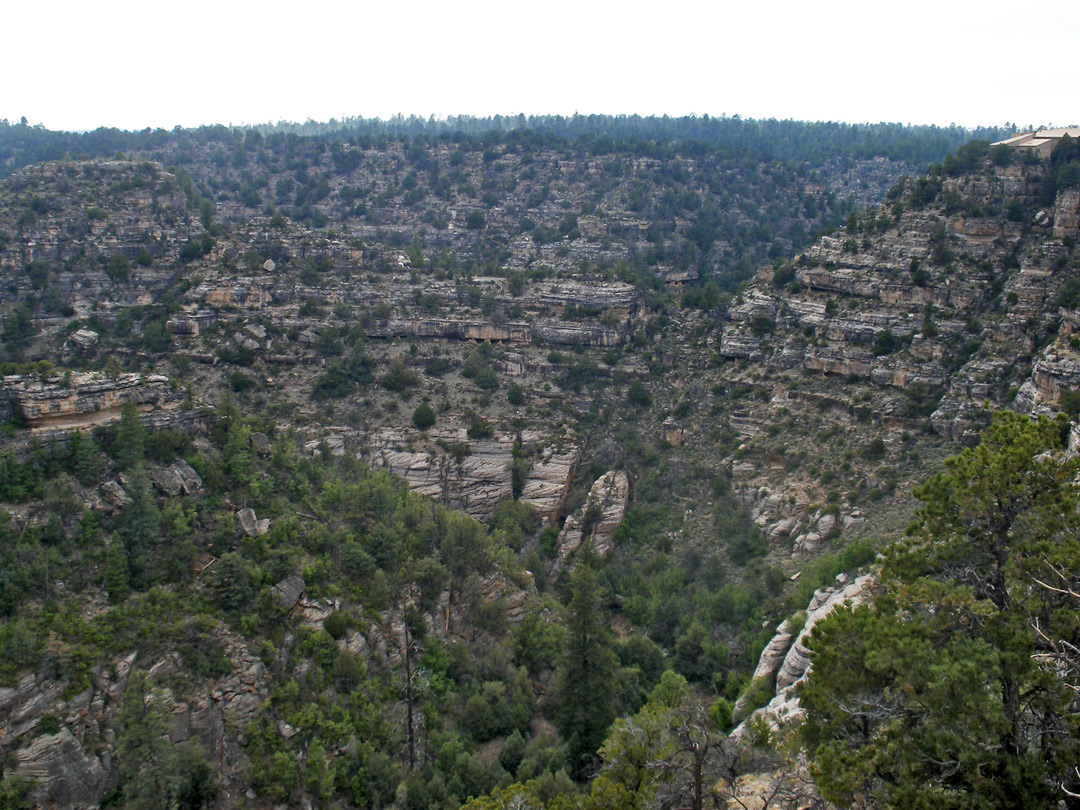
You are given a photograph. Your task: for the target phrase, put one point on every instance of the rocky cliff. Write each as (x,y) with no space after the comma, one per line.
(919,315)
(555,344)
(785,661)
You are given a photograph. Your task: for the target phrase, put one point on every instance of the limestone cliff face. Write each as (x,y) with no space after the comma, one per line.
(85,400)
(66,775)
(79,215)
(1067,213)
(785,661)
(475,475)
(73,767)
(816,395)
(925,314)
(933,282)
(596,521)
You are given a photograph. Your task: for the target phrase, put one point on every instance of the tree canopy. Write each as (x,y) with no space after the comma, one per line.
(945,692)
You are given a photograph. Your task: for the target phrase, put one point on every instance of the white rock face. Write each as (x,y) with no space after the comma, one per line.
(477,482)
(786,657)
(604,510)
(772,657)
(252,526)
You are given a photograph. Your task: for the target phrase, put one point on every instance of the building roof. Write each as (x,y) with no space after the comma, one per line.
(1060,132)
(1044,140)
(1016,140)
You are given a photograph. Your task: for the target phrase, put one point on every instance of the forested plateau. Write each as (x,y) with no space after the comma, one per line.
(417,465)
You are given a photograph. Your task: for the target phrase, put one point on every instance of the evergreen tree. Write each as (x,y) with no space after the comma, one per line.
(587,682)
(424,416)
(148,764)
(15,793)
(670,754)
(85,458)
(116,570)
(140,525)
(236,456)
(129,446)
(940,694)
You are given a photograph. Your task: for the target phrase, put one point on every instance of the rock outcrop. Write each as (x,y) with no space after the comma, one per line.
(178,478)
(85,399)
(595,522)
(250,524)
(66,775)
(475,475)
(785,661)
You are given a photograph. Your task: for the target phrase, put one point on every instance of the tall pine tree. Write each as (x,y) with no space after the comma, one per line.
(589,673)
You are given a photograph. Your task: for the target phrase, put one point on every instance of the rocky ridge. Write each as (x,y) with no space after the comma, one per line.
(921,312)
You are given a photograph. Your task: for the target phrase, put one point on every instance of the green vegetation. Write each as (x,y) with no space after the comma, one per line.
(387,556)
(955,688)
(424,273)
(424,416)
(786,140)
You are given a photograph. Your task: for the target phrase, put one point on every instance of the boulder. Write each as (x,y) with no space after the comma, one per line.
(260,442)
(242,341)
(252,526)
(114,494)
(289,590)
(85,339)
(190,480)
(167,481)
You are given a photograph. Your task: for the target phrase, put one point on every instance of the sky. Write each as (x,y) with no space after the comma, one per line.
(132,65)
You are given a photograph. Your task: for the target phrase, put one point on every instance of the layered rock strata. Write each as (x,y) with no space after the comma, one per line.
(595,522)
(785,661)
(475,475)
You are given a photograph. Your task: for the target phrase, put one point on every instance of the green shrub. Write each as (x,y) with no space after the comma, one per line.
(479,428)
(637,394)
(761,324)
(885,342)
(1069,402)
(783,275)
(335,625)
(486,379)
(49,724)
(424,416)
(239,381)
(398,378)
(874,450)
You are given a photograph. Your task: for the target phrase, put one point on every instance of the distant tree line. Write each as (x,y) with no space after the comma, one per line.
(790,141)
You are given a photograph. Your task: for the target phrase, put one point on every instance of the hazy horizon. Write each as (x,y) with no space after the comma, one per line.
(131,66)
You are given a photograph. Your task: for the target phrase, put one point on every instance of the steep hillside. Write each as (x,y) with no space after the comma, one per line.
(551,339)
(920,317)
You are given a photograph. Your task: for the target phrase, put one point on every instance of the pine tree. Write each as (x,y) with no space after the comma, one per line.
(140,525)
(129,446)
(939,694)
(85,458)
(586,686)
(116,570)
(148,764)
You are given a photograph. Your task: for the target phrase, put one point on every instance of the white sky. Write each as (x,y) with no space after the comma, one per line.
(128,64)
